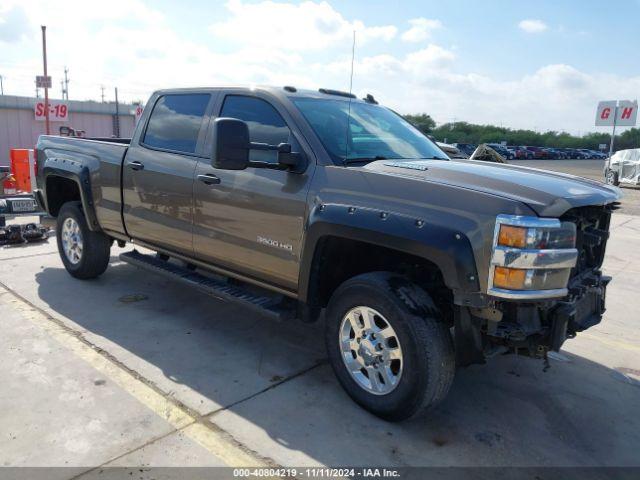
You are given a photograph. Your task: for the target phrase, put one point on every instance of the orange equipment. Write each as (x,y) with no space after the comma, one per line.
(23,169)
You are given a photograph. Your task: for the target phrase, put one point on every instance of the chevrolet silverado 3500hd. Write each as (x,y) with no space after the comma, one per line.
(318,205)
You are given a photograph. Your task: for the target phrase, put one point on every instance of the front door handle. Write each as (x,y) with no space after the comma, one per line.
(209,179)
(136,166)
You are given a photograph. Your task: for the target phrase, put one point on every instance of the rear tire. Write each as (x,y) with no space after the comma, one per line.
(426,368)
(85,254)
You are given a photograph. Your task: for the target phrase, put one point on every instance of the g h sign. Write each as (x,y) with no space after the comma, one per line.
(622,114)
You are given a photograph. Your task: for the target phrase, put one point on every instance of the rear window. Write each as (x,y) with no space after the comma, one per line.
(175,122)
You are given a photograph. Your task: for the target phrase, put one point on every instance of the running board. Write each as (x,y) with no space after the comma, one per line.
(268,306)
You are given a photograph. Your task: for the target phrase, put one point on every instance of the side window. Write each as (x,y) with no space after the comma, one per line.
(175,122)
(265,123)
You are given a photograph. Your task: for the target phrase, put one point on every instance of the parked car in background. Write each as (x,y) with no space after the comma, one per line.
(502,150)
(524,153)
(451,151)
(573,153)
(567,152)
(592,154)
(624,167)
(538,152)
(556,153)
(466,148)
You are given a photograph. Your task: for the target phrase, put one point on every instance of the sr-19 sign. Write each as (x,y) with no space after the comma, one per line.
(58,111)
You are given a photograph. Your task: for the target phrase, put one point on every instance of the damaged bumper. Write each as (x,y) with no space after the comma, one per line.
(535,329)
(583,310)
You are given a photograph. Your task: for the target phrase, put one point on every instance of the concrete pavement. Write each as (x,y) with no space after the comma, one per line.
(133,369)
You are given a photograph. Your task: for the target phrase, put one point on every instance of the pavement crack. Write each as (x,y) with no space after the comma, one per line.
(28,256)
(266,389)
(128,452)
(196,419)
(80,336)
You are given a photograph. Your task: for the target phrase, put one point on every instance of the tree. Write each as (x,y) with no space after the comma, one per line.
(628,139)
(422,122)
(463,132)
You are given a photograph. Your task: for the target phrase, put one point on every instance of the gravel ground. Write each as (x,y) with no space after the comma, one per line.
(591,169)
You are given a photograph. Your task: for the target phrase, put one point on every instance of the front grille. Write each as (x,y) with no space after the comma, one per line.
(592,233)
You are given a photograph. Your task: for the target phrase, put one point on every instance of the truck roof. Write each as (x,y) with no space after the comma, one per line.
(287,91)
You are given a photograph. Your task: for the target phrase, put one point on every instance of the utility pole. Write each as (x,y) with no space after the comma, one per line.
(66,84)
(102,92)
(117,119)
(37,92)
(62,88)
(46,89)
(613,133)
(1,86)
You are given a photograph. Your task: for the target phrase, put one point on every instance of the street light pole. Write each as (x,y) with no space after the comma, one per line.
(1,86)
(46,89)
(117,118)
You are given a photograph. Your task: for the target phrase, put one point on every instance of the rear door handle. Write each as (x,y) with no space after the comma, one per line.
(136,166)
(209,179)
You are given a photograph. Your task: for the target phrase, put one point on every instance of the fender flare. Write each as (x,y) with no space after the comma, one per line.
(79,173)
(449,249)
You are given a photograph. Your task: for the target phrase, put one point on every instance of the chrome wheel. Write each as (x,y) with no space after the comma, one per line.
(371,350)
(72,240)
(611,177)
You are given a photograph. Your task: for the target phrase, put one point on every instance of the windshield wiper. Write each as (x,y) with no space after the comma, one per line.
(349,161)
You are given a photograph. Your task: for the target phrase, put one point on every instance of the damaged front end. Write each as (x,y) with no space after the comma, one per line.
(545,283)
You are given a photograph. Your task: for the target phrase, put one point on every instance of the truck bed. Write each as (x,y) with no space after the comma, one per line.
(101,157)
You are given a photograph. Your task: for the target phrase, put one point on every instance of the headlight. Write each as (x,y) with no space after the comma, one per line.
(547,237)
(532,257)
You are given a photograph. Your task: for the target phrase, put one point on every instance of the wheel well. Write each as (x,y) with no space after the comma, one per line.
(338,259)
(60,190)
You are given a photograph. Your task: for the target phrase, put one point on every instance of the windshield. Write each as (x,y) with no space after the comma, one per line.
(374,132)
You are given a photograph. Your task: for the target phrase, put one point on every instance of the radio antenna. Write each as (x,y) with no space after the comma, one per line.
(346,137)
(353,54)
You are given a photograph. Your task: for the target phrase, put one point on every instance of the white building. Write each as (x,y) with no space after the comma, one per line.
(19,127)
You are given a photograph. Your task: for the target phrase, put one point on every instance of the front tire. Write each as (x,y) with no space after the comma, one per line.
(611,177)
(387,345)
(85,254)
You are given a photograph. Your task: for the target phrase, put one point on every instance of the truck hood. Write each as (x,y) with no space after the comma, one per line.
(549,194)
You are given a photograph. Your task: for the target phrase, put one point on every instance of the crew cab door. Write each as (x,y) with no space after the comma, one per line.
(158,172)
(251,221)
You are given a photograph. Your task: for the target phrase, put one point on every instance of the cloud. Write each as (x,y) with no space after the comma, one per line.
(555,96)
(428,58)
(14,25)
(295,27)
(421,29)
(532,26)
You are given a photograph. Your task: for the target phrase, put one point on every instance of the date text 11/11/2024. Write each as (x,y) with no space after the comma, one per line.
(316,472)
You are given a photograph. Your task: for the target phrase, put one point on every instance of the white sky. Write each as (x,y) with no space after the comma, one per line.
(411,62)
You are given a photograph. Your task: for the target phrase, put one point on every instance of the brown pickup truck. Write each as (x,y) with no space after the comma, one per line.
(317,205)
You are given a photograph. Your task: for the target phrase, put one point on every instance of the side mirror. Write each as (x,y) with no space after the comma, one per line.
(292,161)
(231,144)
